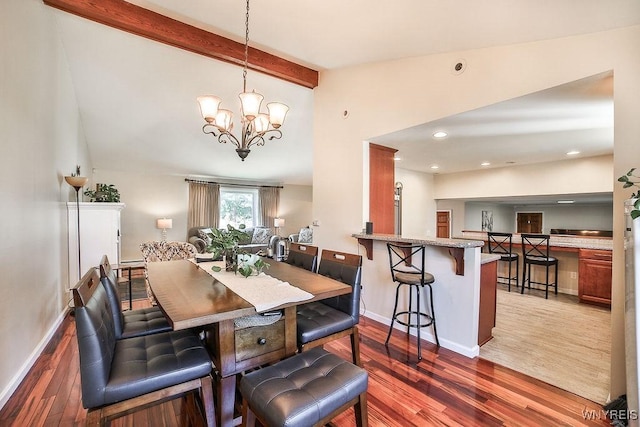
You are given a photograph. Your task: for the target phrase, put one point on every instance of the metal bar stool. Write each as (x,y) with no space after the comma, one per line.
(407,264)
(501,244)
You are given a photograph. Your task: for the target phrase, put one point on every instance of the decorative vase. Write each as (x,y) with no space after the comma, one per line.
(230,259)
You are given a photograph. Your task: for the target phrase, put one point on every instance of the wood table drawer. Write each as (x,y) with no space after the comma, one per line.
(258,340)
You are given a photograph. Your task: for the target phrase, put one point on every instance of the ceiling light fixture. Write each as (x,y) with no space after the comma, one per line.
(440,134)
(565,202)
(435,167)
(255,125)
(573,153)
(485,164)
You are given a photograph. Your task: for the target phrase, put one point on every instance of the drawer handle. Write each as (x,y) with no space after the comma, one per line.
(262,341)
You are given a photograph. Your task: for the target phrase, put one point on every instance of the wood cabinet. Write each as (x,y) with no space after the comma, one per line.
(488,294)
(382,188)
(594,276)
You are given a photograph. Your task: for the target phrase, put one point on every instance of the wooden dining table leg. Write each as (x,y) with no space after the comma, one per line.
(226,400)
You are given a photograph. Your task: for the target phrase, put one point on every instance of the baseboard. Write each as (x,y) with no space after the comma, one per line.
(469,352)
(28,364)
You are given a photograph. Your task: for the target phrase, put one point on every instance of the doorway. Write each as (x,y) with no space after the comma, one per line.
(443,224)
(529,222)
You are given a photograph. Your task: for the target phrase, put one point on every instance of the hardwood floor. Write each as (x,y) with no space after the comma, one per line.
(444,389)
(559,341)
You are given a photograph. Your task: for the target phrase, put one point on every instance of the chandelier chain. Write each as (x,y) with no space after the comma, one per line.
(246,49)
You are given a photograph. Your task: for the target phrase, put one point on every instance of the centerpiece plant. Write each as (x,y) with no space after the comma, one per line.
(631,180)
(226,243)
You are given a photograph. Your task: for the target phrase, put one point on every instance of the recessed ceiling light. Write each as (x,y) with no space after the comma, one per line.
(485,164)
(440,134)
(565,202)
(435,167)
(397,158)
(572,153)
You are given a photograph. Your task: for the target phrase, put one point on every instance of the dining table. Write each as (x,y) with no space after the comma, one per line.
(238,336)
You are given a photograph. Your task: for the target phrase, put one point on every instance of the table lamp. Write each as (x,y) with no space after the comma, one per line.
(164,224)
(277,223)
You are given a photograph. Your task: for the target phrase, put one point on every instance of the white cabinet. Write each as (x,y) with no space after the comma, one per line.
(99,235)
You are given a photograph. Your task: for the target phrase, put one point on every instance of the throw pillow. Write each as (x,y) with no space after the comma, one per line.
(261,235)
(306,235)
(203,233)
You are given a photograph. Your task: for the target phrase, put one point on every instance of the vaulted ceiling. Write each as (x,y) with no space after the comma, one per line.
(137,96)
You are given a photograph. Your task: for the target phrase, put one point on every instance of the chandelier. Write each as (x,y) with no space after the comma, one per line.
(257,127)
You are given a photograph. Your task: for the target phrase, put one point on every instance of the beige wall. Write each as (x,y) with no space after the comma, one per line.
(588,175)
(42,141)
(151,196)
(386,97)
(418,217)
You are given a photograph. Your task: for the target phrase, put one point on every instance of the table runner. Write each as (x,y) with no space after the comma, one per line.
(264,292)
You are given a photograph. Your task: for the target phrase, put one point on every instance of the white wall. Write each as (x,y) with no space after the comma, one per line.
(42,141)
(386,97)
(418,206)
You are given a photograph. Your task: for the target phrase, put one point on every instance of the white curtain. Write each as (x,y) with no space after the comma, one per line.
(204,205)
(269,204)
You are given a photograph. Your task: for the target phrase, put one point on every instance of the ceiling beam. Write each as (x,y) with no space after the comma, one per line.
(146,23)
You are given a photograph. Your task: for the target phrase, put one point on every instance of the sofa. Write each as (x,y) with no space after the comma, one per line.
(260,239)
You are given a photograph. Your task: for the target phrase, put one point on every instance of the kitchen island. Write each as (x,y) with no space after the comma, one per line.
(455,264)
(584,264)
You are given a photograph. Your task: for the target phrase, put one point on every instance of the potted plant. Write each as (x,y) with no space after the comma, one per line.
(103,193)
(631,180)
(225,243)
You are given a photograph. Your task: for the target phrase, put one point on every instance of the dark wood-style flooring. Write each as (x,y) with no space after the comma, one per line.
(444,389)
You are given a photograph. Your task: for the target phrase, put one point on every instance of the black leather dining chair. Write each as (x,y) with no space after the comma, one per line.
(535,251)
(303,256)
(119,377)
(131,323)
(502,244)
(319,322)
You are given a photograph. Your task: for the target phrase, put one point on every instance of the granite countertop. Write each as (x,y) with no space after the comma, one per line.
(487,258)
(429,241)
(560,241)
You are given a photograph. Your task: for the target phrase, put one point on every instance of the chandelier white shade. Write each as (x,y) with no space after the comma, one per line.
(257,127)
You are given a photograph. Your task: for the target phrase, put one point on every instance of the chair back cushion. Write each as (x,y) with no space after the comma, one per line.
(303,256)
(346,268)
(109,280)
(167,251)
(96,338)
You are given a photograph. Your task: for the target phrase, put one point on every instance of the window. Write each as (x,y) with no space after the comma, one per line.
(238,206)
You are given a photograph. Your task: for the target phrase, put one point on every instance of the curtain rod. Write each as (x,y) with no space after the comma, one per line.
(199,181)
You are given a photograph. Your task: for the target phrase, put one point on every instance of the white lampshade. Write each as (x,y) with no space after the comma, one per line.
(209,107)
(278,222)
(250,102)
(164,223)
(224,119)
(277,113)
(261,123)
